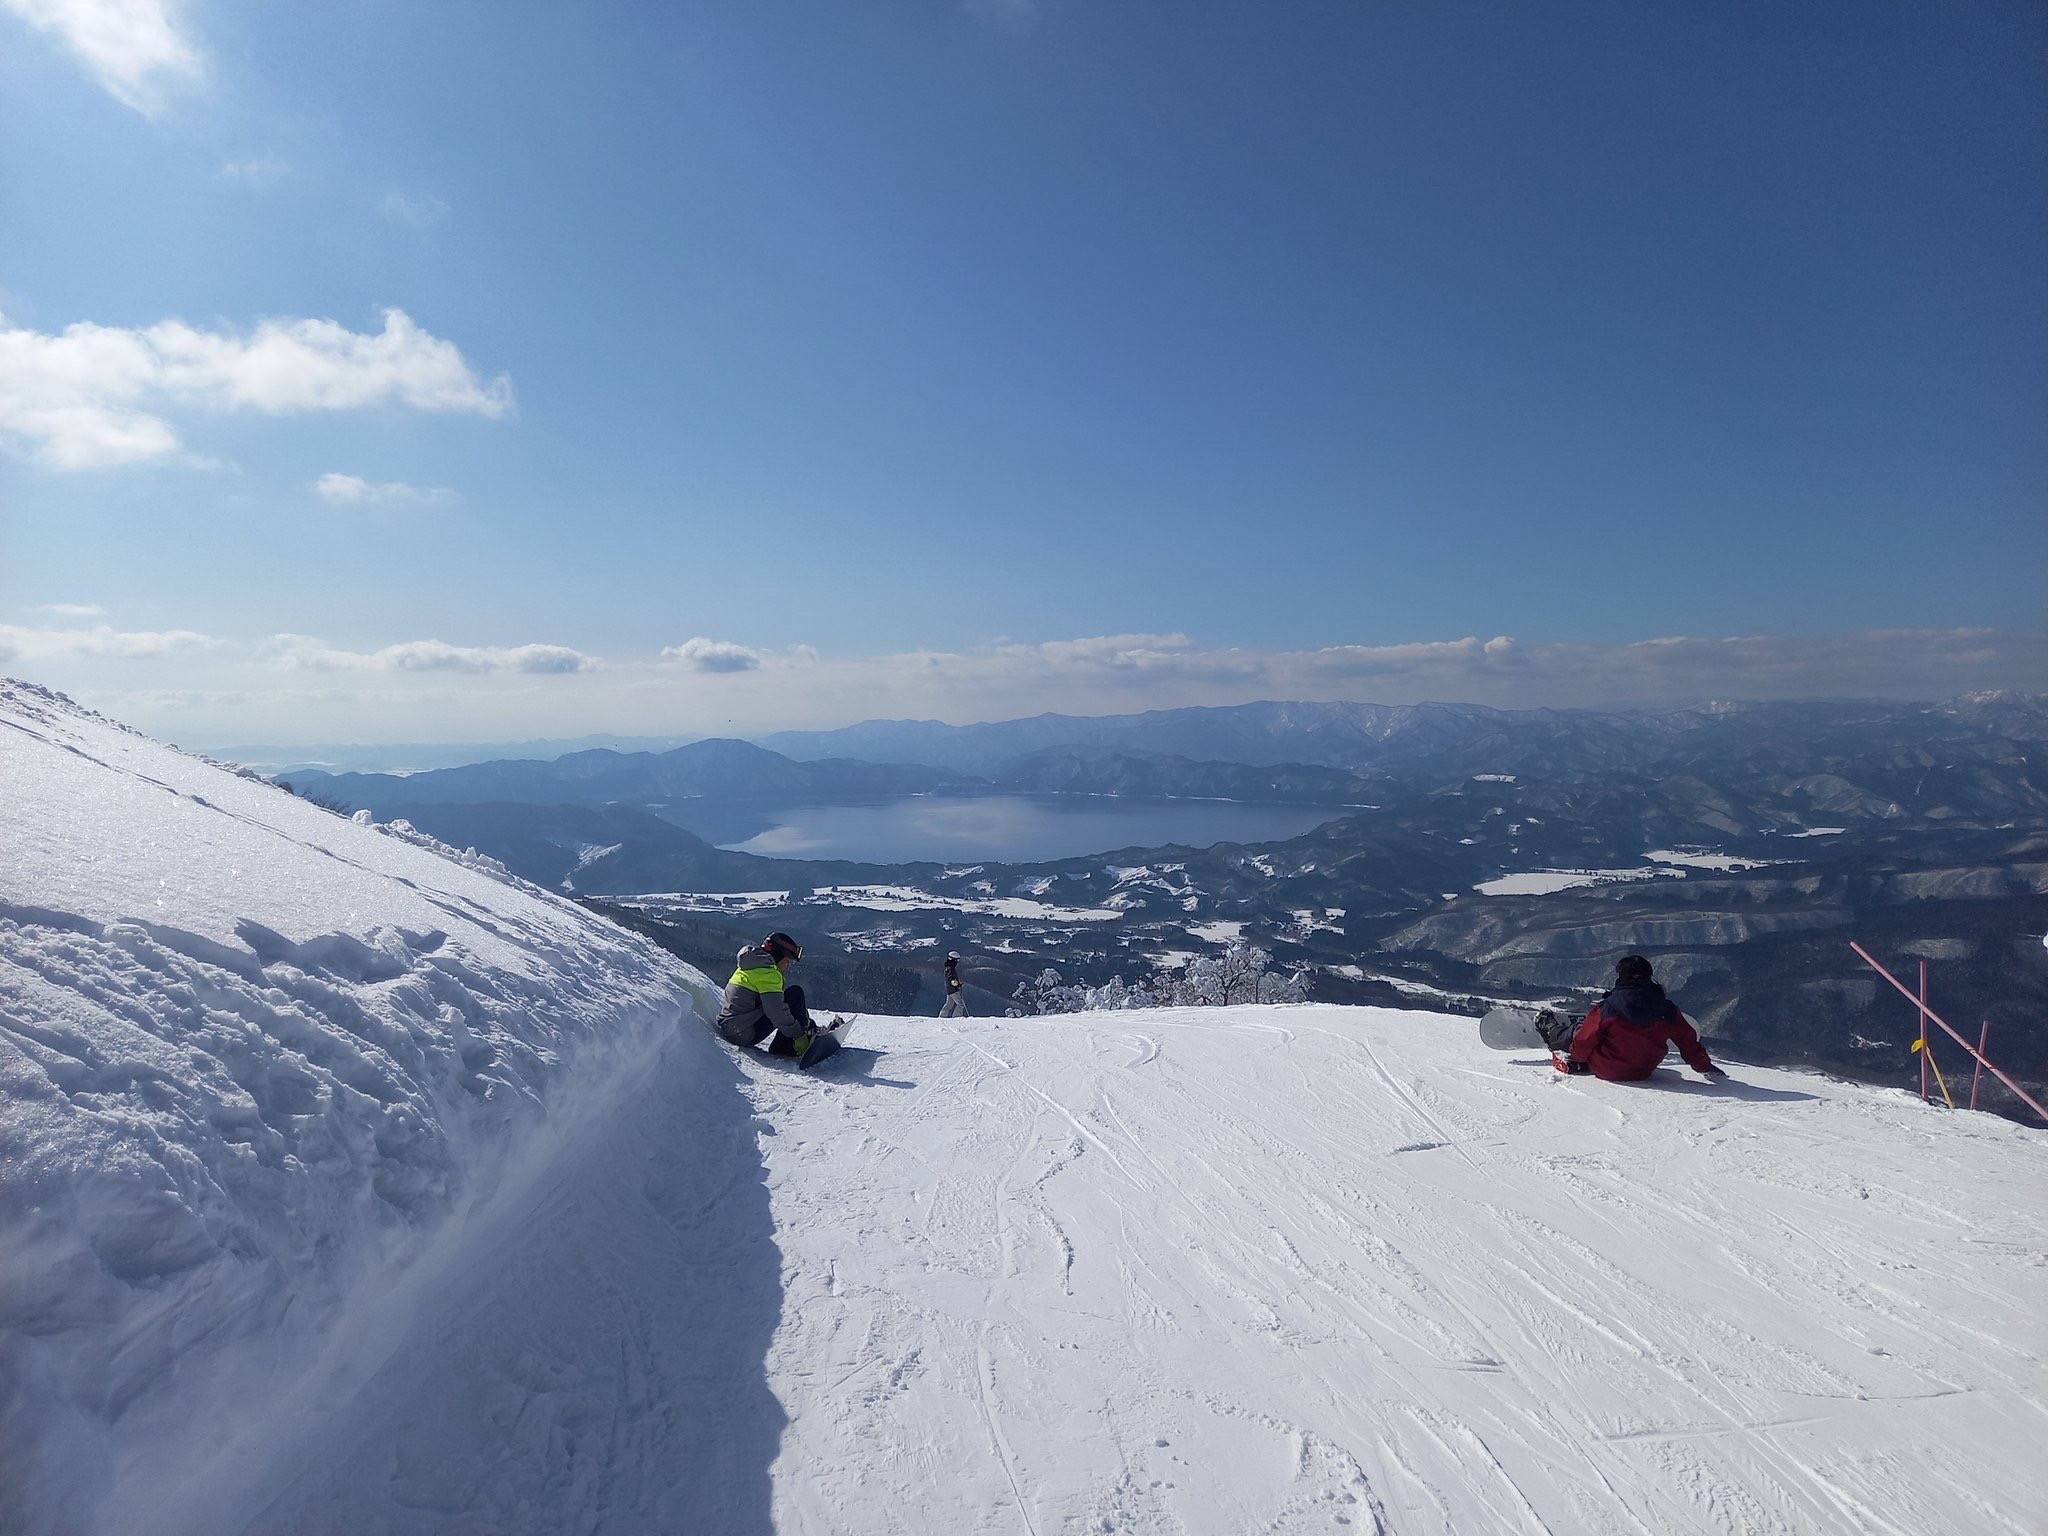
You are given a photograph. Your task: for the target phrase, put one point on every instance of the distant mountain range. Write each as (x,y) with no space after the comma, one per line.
(1455,738)
(1574,788)
(717,769)
(415,757)
(1969,755)
(738,770)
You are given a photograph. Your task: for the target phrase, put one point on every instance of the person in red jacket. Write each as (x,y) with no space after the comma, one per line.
(1627,1032)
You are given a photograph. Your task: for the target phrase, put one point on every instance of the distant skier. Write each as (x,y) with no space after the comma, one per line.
(956,994)
(1625,1035)
(757,1002)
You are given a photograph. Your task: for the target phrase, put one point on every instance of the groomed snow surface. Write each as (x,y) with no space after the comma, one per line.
(350,1190)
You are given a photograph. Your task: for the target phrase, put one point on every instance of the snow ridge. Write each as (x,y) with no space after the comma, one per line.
(263,1071)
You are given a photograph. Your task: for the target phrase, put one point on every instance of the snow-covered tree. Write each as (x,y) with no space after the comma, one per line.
(1284,989)
(1070,998)
(1241,974)
(1047,992)
(1109,997)
(1240,971)
(1199,984)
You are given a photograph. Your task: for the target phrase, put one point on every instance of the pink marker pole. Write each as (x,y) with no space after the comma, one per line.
(1977,1077)
(1923,1032)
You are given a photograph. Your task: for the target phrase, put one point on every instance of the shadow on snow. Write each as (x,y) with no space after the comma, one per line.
(1671,1082)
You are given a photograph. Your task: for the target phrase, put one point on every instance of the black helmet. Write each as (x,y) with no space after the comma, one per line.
(1631,970)
(781,946)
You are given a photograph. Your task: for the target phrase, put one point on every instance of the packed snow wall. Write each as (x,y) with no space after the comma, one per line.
(264,1072)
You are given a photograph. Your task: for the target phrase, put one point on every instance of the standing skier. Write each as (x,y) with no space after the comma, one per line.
(757,1001)
(1627,1032)
(956,995)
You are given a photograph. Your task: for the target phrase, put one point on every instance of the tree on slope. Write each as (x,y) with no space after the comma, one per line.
(1047,992)
(1241,970)
(1284,989)
(1115,996)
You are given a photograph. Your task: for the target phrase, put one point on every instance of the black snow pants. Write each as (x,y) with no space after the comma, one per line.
(780,1045)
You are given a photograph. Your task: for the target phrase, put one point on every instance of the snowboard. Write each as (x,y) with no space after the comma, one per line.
(1512,1029)
(825,1043)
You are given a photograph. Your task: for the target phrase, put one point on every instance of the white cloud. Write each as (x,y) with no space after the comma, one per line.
(71,610)
(1469,655)
(134,47)
(420,212)
(306,653)
(264,171)
(21,644)
(353,490)
(78,397)
(1116,653)
(701,654)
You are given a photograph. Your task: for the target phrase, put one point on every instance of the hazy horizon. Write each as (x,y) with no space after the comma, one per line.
(403,756)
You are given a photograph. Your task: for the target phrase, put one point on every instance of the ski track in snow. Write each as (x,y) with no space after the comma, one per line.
(1214,1282)
(347,1190)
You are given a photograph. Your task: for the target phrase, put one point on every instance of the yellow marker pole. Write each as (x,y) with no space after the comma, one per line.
(1927,1059)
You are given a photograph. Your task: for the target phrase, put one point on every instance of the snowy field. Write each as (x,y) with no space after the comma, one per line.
(1544,882)
(904,898)
(1721,863)
(877,898)
(347,1189)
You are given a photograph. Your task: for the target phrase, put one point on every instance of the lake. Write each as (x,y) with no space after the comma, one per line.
(976,829)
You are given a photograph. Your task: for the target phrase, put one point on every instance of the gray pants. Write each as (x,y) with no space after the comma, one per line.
(956,1007)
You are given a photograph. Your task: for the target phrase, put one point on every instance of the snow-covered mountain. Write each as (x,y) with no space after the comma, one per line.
(346,1186)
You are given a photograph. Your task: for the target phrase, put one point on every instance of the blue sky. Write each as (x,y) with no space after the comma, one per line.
(782,364)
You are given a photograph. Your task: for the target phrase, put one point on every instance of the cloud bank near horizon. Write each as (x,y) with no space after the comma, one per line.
(19,643)
(297,688)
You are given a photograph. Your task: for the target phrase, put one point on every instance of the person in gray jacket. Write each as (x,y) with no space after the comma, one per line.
(757,1002)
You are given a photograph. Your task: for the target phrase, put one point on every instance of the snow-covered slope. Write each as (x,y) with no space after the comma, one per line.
(1304,1268)
(266,1073)
(1286,1269)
